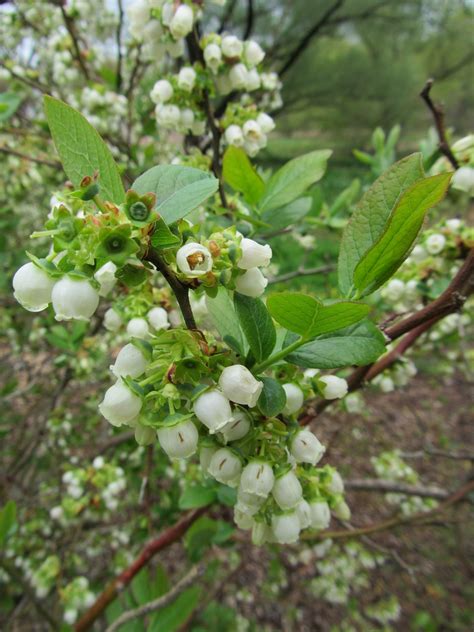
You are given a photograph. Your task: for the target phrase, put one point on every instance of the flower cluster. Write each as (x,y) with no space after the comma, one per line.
(390,467)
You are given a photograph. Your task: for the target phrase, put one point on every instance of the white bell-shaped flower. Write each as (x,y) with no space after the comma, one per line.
(320,514)
(225,467)
(251,283)
(333,387)
(144,435)
(205,455)
(257,478)
(180,441)
(418,254)
(336,484)
(187,119)
(130,362)
(287,490)
(240,386)
(463,179)
(194,260)
(435,243)
(162,91)
(238,76)
(254,255)
(187,78)
(294,398)
(169,116)
(248,503)
(212,408)
(267,124)
(105,277)
(231,46)
(342,511)
(286,527)
(112,320)
(253,53)
(213,56)
(243,520)
(32,287)
(303,511)
(74,299)
(237,428)
(394,290)
(120,405)
(158,318)
(253,80)
(454,224)
(260,533)
(306,448)
(386,384)
(234,135)
(308,374)
(182,21)
(138,328)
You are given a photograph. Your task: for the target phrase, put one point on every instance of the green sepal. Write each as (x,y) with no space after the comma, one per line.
(139,208)
(134,386)
(144,346)
(281,470)
(163,237)
(173,420)
(116,245)
(45,265)
(131,275)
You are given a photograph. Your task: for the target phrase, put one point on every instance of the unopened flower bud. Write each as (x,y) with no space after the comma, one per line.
(260,532)
(105,277)
(138,328)
(320,514)
(253,53)
(158,318)
(306,448)
(187,118)
(162,91)
(336,484)
(180,441)
(257,478)
(240,386)
(454,224)
(303,511)
(182,21)
(32,287)
(112,320)
(74,299)
(294,398)
(212,409)
(243,520)
(237,428)
(251,283)
(287,490)
(342,511)
(120,405)
(194,260)
(238,76)
(254,255)
(129,362)
(286,527)
(187,78)
(231,46)
(435,244)
(213,56)
(144,435)
(267,124)
(225,467)
(333,387)
(234,135)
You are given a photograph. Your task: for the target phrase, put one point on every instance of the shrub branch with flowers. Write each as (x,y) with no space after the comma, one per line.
(232,389)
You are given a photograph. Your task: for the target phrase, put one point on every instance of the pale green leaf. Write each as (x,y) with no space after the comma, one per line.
(240,174)
(337,316)
(82,150)
(295,311)
(178,190)
(289,214)
(385,257)
(369,219)
(289,182)
(222,312)
(256,324)
(194,496)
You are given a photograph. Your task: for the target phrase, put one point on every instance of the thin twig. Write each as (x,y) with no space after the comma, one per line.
(389,487)
(40,161)
(438,116)
(249,20)
(301,272)
(160,602)
(118,39)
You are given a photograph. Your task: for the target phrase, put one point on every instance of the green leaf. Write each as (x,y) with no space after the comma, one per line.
(240,174)
(357,345)
(256,324)
(227,495)
(289,214)
(204,533)
(7,520)
(222,312)
(9,104)
(386,256)
(178,190)
(162,236)
(82,150)
(295,311)
(289,182)
(272,399)
(172,617)
(370,217)
(195,496)
(141,587)
(338,315)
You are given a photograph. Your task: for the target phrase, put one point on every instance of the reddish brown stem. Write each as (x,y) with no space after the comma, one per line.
(170,535)
(438,116)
